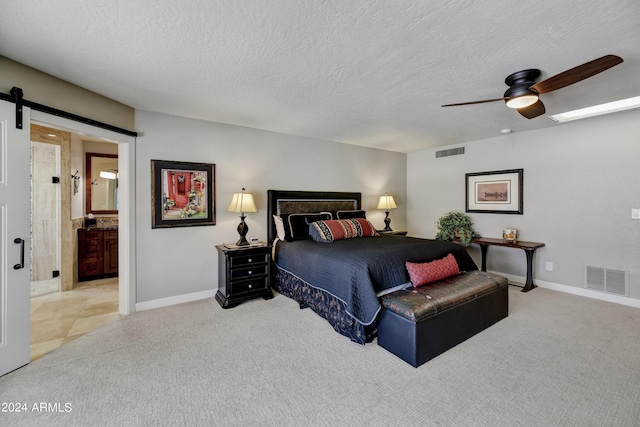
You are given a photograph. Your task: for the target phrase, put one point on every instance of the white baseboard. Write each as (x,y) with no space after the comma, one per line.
(178,299)
(632,302)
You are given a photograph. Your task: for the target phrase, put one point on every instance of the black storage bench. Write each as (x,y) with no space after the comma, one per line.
(417,324)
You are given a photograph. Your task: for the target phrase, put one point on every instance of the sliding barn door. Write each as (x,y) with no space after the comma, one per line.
(15,242)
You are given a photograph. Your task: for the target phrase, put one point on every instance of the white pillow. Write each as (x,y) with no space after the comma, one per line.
(279,227)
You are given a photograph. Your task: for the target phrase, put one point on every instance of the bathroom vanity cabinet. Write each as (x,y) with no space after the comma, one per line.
(97,253)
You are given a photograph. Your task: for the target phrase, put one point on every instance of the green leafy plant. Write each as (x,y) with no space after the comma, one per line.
(168,204)
(454,225)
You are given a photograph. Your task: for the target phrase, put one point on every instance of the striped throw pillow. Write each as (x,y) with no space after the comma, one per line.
(338,229)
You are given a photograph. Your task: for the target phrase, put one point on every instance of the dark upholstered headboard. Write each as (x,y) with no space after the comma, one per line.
(282,202)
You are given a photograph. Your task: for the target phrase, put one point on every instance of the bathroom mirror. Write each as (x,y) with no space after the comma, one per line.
(101,172)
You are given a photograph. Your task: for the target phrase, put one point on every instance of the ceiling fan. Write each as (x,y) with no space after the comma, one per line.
(523,93)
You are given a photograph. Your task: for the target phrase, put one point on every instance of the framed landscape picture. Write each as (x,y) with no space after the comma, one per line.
(182,194)
(495,192)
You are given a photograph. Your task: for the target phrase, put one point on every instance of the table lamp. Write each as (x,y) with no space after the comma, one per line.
(386,202)
(242,202)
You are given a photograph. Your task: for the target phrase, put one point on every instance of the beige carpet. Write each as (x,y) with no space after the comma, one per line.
(557,360)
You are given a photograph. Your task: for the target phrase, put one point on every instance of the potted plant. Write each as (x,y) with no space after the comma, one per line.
(454,225)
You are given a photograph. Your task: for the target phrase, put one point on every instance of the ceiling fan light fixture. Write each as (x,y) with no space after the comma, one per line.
(522,101)
(523,90)
(520,94)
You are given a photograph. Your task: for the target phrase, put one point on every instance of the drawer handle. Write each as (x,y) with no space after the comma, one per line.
(250,286)
(250,260)
(250,272)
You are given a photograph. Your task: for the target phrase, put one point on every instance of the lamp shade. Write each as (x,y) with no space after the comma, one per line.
(386,202)
(242,202)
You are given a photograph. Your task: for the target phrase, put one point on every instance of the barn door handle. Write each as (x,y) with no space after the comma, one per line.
(21,242)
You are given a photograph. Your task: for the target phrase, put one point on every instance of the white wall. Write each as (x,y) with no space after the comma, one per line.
(581,181)
(180,261)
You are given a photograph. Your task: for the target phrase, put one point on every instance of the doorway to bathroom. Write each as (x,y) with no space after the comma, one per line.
(62,307)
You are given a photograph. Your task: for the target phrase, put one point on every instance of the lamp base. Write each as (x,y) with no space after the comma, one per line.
(242,231)
(387,222)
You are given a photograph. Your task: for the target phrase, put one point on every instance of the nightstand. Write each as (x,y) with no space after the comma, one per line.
(243,273)
(398,232)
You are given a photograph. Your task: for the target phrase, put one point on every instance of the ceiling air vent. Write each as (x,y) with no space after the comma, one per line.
(450,152)
(610,280)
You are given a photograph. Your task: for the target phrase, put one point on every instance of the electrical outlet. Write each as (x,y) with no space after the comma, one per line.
(635,213)
(549,266)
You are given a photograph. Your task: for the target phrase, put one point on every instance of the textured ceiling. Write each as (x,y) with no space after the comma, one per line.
(363,72)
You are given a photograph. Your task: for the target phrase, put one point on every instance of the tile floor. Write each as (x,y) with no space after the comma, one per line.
(43,287)
(60,317)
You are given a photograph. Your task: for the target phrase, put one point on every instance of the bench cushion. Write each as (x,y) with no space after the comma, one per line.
(417,304)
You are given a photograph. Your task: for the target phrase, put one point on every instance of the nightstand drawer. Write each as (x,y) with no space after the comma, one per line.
(259,283)
(243,260)
(240,273)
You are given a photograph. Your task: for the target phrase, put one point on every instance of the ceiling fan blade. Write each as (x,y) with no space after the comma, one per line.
(474,102)
(576,74)
(533,110)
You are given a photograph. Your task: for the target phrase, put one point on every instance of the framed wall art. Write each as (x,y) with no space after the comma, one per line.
(182,194)
(495,192)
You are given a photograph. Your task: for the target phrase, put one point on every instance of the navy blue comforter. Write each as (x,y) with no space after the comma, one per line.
(355,270)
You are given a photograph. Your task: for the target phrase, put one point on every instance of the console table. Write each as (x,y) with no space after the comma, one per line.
(528,247)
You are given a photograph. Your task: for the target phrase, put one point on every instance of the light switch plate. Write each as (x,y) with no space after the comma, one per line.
(635,213)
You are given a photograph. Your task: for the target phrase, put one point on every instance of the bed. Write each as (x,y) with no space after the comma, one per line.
(342,280)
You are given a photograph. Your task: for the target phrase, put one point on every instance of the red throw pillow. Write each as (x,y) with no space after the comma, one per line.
(429,272)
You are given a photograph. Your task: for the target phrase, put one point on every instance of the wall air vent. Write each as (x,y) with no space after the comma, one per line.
(609,280)
(616,281)
(450,152)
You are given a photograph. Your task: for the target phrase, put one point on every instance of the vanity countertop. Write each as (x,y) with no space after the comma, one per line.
(98,228)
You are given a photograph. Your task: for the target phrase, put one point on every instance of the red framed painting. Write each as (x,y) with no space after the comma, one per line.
(182,194)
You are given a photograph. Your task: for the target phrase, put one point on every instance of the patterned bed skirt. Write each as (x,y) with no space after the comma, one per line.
(326,306)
